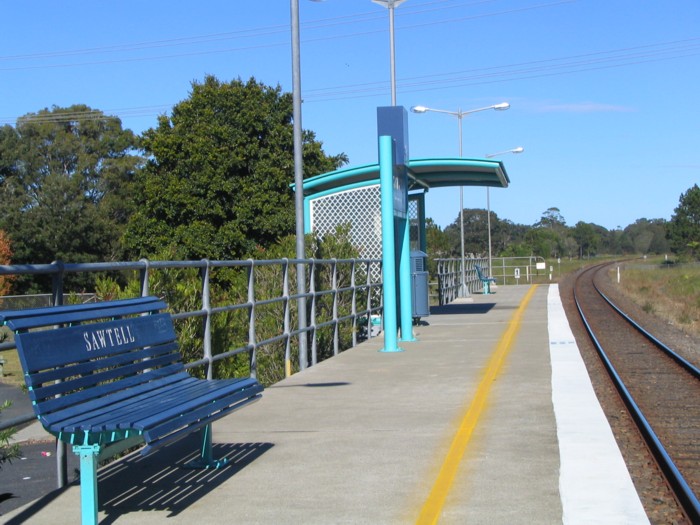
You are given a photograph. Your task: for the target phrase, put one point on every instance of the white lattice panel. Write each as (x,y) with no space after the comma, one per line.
(361,209)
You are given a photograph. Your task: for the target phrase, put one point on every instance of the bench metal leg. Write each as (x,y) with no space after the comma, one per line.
(88,481)
(206,457)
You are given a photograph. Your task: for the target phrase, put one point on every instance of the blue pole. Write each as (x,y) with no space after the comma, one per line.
(405,282)
(386,184)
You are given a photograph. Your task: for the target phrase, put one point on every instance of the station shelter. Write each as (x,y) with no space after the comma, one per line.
(355,196)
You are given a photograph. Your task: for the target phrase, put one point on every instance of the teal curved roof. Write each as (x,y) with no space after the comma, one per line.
(423,173)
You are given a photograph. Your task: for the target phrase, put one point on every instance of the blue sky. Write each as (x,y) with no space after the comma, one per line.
(602,92)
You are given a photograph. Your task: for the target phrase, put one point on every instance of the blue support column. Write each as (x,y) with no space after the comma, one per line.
(88,482)
(386,183)
(405,281)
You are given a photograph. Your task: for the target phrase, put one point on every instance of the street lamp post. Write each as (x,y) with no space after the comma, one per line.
(463,292)
(298,185)
(391,5)
(519,149)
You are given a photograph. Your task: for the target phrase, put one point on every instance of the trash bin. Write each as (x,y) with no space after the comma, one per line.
(419,285)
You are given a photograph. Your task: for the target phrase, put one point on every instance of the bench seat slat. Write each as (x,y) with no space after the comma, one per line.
(181,402)
(210,410)
(153,442)
(37,317)
(191,398)
(163,377)
(162,404)
(115,408)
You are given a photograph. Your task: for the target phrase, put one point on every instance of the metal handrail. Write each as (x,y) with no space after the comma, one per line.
(371,286)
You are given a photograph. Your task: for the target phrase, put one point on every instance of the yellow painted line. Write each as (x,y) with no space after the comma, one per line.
(432,508)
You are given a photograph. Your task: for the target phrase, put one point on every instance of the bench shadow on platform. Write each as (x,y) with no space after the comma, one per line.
(159,481)
(462,308)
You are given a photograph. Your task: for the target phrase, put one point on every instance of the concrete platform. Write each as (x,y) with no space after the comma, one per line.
(470,424)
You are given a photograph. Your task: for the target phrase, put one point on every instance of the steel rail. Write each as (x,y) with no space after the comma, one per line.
(686,497)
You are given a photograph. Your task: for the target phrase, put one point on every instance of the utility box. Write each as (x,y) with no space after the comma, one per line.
(419,285)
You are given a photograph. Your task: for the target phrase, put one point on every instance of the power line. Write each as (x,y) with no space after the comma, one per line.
(415,9)
(600,60)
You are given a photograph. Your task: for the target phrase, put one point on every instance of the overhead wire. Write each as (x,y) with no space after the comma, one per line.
(504,73)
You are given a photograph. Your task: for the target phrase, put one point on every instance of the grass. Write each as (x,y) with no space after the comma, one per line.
(12,370)
(669,292)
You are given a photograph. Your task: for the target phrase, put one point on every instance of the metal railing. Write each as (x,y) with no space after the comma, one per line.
(518,270)
(343,294)
(506,270)
(449,277)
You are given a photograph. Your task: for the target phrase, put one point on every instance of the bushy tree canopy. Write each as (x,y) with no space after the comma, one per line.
(64,184)
(218,181)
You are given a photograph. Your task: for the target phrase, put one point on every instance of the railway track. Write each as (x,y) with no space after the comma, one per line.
(660,389)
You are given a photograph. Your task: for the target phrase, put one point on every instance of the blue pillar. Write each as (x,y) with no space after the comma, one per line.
(405,281)
(88,482)
(386,183)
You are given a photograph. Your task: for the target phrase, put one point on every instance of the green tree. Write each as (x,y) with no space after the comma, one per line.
(553,219)
(645,236)
(218,182)
(684,227)
(587,237)
(543,242)
(65,178)
(5,258)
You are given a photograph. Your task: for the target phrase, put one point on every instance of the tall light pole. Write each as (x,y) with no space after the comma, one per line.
(298,184)
(391,5)
(463,292)
(519,149)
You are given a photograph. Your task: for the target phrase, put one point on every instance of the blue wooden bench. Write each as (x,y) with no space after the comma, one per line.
(486,281)
(108,376)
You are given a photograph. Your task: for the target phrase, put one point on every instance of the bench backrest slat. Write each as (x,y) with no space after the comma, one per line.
(101,382)
(71,314)
(88,369)
(90,342)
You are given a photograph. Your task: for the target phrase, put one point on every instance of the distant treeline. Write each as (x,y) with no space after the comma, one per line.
(212,180)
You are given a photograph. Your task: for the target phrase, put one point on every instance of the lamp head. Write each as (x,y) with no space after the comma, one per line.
(502,106)
(419,109)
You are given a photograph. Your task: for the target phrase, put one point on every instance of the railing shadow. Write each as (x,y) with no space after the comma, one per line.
(159,482)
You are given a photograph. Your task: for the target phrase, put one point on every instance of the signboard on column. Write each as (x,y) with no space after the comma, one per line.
(393,121)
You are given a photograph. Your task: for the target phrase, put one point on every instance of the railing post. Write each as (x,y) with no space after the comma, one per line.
(57,284)
(251,319)
(353,306)
(143,277)
(370,291)
(206,306)
(312,325)
(287,319)
(61,447)
(334,285)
